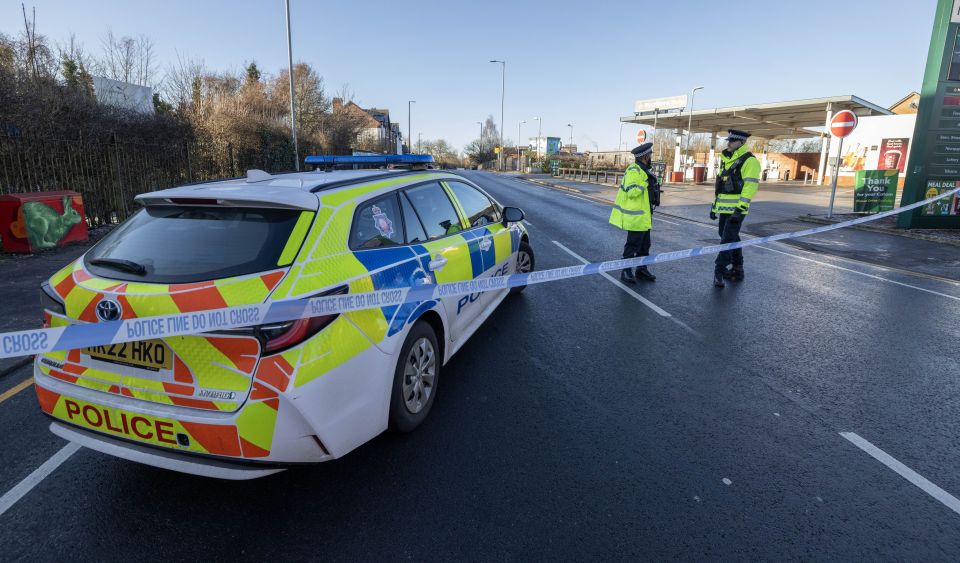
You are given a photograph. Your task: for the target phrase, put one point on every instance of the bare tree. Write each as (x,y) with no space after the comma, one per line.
(127,59)
(182,83)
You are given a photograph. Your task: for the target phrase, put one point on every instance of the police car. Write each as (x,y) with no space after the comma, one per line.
(243,403)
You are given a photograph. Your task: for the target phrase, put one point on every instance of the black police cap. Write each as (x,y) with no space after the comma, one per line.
(643,149)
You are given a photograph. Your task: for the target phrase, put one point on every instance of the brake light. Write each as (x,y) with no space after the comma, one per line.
(50,303)
(288,334)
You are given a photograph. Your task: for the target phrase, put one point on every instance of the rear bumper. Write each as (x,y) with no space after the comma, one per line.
(194,465)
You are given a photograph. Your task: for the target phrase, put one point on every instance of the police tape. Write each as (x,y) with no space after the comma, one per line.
(81,335)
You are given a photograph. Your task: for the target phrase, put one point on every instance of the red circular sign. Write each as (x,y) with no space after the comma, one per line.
(641,136)
(843,123)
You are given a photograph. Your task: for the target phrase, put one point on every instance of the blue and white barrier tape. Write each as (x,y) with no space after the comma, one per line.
(38,341)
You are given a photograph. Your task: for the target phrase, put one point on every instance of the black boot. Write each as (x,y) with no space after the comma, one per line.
(626,276)
(718,279)
(644,274)
(735,273)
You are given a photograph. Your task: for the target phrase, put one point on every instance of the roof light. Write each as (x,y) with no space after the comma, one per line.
(370,160)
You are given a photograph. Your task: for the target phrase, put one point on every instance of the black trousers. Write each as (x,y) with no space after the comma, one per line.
(729,232)
(638,244)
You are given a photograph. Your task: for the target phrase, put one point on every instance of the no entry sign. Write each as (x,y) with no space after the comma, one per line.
(843,123)
(641,136)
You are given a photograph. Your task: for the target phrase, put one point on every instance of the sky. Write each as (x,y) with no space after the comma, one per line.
(582,63)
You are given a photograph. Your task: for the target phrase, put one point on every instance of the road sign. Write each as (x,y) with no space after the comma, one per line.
(641,136)
(843,123)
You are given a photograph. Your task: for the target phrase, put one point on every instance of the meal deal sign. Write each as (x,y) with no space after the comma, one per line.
(875,191)
(946,206)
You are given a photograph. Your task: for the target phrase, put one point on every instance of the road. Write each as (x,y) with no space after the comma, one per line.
(767,420)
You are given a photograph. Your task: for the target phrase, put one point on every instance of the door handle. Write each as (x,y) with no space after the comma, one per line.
(437,263)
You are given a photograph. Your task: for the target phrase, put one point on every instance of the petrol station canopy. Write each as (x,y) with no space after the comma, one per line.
(777,120)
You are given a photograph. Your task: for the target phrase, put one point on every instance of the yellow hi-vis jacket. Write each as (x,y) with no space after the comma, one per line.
(631,210)
(742,183)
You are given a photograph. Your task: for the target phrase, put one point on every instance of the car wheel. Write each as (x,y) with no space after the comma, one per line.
(525,263)
(415,379)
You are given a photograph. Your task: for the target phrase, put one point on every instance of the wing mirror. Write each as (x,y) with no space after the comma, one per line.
(512,215)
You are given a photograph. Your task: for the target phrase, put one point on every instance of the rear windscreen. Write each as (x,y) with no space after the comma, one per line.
(189,244)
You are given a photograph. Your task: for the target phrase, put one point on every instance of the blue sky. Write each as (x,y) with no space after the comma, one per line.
(568,62)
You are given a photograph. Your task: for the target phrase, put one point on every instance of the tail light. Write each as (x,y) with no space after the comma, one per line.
(50,303)
(281,336)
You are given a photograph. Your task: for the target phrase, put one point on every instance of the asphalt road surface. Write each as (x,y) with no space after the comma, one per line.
(811,412)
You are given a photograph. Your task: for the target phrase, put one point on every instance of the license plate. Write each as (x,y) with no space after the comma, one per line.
(152,355)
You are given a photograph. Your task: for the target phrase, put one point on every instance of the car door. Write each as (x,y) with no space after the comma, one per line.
(449,257)
(486,236)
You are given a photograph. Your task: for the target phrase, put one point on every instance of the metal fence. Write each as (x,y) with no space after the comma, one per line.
(110,174)
(584,175)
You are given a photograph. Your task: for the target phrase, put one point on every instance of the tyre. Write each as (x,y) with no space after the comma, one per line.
(415,379)
(525,264)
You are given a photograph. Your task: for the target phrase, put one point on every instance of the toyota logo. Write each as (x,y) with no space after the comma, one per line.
(109,310)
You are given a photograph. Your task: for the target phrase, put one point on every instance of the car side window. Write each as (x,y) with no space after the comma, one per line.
(479,209)
(411,223)
(376,224)
(435,210)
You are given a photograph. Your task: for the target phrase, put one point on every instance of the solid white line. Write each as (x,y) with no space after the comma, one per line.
(39,474)
(866,265)
(880,278)
(659,218)
(920,481)
(617,283)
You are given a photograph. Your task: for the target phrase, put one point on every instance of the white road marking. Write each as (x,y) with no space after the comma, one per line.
(727,482)
(39,474)
(872,276)
(661,219)
(617,283)
(920,481)
(829,265)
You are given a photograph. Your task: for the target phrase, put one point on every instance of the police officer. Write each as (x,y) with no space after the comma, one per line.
(736,186)
(639,194)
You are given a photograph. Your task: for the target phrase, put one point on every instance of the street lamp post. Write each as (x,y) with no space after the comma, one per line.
(693,94)
(539,133)
(293,113)
(503,83)
(409,131)
(620,144)
(570,125)
(518,144)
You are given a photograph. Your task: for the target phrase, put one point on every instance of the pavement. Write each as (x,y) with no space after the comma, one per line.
(807,413)
(785,207)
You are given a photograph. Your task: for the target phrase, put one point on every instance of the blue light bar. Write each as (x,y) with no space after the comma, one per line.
(378,159)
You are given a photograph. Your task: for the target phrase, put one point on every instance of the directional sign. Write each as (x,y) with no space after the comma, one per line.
(843,123)
(641,136)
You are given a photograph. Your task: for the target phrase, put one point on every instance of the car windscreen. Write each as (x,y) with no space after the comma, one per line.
(174,244)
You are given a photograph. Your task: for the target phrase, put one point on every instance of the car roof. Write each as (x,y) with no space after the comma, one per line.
(288,190)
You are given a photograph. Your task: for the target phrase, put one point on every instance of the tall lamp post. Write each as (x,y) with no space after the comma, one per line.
(293,114)
(503,83)
(409,131)
(570,125)
(518,144)
(480,140)
(686,149)
(539,133)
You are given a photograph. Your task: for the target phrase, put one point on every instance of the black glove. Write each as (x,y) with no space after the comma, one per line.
(713,216)
(736,217)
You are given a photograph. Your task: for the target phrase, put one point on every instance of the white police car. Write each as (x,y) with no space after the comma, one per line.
(241,403)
